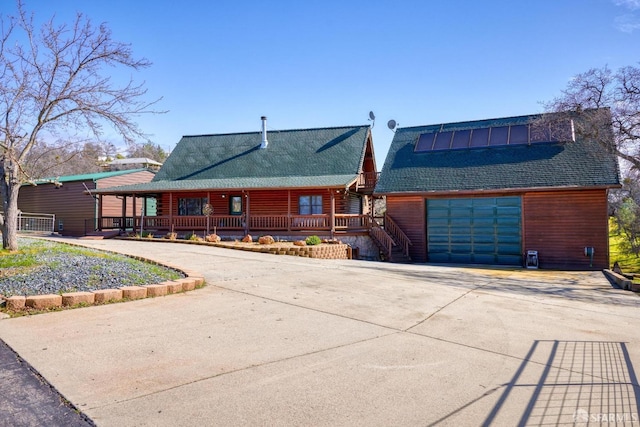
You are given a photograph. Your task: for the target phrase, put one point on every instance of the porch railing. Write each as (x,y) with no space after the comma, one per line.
(228,222)
(269,222)
(353,222)
(368,180)
(310,222)
(114,223)
(342,222)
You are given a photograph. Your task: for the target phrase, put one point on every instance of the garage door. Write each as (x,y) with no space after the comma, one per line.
(483,230)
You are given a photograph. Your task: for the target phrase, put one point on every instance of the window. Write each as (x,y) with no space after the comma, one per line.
(235,205)
(191,206)
(310,205)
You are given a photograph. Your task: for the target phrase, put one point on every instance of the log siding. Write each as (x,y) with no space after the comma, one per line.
(557,224)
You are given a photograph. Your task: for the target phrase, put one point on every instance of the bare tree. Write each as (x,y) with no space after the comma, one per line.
(606,108)
(606,105)
(55,83)
(148,150)
(54,160)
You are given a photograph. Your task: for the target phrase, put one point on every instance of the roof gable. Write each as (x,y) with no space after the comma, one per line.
(526,165)
(290,153)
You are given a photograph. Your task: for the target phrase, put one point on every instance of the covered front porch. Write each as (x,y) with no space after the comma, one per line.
(229,213)
(235,224)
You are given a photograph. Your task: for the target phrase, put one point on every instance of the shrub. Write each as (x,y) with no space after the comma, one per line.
(171,236)
(313,240)
(247,238)
(193,237)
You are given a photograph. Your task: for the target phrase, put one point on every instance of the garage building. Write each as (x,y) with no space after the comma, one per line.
(490,191)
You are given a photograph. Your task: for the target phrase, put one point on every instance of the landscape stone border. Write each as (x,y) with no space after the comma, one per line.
(622,281)
(192,281)
(322,251)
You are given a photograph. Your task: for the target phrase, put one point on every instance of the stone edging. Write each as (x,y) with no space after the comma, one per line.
(41,302)
(620,280)
(324,251)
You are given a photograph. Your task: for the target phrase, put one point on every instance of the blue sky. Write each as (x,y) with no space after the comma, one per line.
(220,65)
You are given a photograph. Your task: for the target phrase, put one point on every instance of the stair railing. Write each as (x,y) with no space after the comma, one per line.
(398,235)
(382,238)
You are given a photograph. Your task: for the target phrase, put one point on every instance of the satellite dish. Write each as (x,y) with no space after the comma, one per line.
(391,124)
(372,116)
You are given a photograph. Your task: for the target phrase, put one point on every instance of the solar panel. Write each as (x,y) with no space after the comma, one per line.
(499,136)
(519,134)
(443,141)
(552,131)
(495,136)
(461,139)
(425,142)
(480,137)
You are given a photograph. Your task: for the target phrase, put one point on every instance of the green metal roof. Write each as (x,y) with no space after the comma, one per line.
(303,158)
(88,176)
(541,165)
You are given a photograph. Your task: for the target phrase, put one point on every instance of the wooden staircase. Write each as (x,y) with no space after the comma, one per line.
(393,243)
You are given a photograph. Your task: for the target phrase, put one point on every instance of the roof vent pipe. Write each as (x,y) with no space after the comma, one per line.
(264,132)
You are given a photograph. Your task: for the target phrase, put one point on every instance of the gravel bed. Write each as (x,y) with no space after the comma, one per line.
(60,270)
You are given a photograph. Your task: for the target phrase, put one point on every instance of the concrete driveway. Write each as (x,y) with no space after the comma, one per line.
(279,340)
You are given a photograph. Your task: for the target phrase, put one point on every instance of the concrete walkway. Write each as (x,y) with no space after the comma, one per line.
(279,340)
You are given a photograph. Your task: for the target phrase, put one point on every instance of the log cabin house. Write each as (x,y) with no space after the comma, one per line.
(288,183)
(490,191)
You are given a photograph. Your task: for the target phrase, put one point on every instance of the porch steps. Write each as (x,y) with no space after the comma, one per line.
(391,240)
(99,235)
(398,256)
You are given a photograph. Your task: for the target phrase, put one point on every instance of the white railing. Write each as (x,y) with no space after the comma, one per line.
(36,222)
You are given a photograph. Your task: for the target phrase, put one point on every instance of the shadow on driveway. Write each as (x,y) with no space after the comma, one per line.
(26,399)
(581,383)
(582,286)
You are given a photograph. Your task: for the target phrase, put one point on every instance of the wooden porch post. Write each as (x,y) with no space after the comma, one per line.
(333,212)
(133,219)
(208,213)
(99,224)
(289,211)
(171,212)
(248,215)
(123,223)
(143,211)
